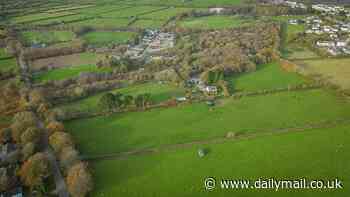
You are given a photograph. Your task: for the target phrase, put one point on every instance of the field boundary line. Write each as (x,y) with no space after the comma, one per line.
(218,140)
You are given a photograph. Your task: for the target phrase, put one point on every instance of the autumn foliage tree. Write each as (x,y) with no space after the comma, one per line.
(21,122)
(68,157)
(55,126)
(59,140)
(79,180)
(35,170)
(31,135)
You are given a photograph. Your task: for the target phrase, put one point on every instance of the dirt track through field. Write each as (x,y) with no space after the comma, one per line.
(219,140)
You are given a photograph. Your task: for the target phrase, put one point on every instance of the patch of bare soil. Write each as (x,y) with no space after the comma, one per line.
(63,61)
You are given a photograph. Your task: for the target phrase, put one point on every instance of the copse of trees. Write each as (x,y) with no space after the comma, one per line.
(110,102)
(221,52)
(31,54)
(119,65)
(35,170)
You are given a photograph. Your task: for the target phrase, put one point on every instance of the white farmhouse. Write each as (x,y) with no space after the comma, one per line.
(325,44)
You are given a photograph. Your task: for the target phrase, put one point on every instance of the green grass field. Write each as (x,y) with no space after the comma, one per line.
(156,127)
(8,64)
(69,8)
(67,72)
(4,54)
(159,93)
(148,23)
(132,11)
(214,22)
(50,37)
(293,31)
(101,9)
(267,76)
(102,23)
(108,38)
(166,14)
(60,20)
(6,61)
(192,3)
(314,154)
(39,16)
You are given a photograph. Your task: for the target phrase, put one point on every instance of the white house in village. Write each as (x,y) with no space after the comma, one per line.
(211,89)
(216,10)
(341,43)
(325,43)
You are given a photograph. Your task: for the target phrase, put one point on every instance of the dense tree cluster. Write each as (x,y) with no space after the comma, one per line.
(76,46)
(110,102)
(222,51)
(119,64)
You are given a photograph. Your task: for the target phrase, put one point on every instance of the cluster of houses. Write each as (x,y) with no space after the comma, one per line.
(317,26)
(294,4)
(208,89)
(152,43)
(335,45)
(330,9)
(322,8)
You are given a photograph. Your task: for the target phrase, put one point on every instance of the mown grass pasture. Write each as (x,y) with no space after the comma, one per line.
(7,62)
(267,76)
(166,14)
(313,154)
(132,11)
(141,23)
(67,72)
(214,22)
(48,37)
(192,3)
(61,20)
(108,38)
(122,132)
(39,16)
(102,23)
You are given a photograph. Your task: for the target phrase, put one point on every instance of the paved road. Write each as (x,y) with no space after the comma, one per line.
(61,187)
